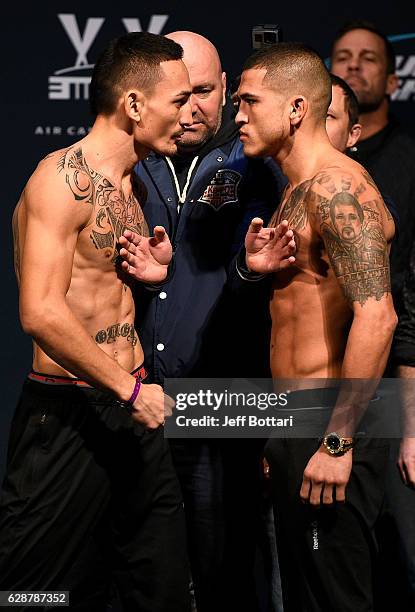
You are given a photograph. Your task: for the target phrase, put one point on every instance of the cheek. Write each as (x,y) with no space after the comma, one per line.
(340,69)
(169,121)
(330,129)
(210,109)
(335,139)
(337,134)
(379,82)
(270,130)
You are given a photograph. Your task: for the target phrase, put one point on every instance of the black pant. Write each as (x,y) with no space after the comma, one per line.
(328,556)
(90,497)
(396,536)
(221,484)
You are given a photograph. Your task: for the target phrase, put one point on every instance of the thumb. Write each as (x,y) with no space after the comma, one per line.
(159,233)
(256,225)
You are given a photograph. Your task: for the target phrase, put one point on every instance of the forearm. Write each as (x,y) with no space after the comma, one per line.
(62,337)
(407,373)
(365,358)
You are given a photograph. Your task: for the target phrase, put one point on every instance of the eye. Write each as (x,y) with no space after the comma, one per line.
(342,57)
(202,92)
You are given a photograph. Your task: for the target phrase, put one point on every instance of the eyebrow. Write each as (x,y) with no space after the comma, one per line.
(246,94)
(183,93)
(348,50)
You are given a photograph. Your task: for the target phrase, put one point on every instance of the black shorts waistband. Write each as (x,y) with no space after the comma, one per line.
(326,397)
(312,398)
(52,379)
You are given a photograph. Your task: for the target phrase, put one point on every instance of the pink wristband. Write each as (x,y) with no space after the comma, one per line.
(136,391)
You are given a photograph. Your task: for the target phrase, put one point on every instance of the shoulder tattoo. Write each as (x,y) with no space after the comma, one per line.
(114,213)
(352,230)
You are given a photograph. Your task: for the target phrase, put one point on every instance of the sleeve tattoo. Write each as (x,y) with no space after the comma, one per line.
(355,241)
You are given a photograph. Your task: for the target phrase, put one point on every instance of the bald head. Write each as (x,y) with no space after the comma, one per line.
(198,51)
(208,89)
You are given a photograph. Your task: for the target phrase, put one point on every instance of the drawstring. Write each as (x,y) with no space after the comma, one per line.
(182,196)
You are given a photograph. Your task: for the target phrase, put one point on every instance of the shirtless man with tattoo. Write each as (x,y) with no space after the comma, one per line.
(332,318)
(90,493)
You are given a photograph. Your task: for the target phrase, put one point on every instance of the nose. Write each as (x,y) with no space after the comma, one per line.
(193,103)
(353,63)
(241,117)
(186,115)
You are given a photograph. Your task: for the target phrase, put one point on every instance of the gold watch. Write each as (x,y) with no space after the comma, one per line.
(336,445)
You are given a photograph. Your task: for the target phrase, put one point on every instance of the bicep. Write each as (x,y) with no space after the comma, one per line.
(48,245)
(352,229)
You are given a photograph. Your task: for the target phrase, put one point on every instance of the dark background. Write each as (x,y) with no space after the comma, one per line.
(35,45)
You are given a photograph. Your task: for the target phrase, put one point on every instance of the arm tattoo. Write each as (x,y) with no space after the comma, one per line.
(372,183)
(114,212)
(355,243)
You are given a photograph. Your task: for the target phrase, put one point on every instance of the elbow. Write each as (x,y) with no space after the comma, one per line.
(31,321)
(395,321)
(381,319)
(387,321)
(37,319)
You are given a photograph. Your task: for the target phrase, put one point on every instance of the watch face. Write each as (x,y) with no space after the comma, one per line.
(333,442)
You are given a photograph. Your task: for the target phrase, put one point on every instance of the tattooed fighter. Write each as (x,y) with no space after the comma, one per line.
(90,492)
(332,317)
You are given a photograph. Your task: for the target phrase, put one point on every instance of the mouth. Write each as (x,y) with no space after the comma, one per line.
(243,136)
(355,80)
(195,125)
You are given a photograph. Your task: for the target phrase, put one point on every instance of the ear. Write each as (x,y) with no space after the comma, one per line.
(133,104)
(392,84)
(298,109)
(354,135)
(224,88)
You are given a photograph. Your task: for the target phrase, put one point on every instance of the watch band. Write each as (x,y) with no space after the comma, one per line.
(336,445)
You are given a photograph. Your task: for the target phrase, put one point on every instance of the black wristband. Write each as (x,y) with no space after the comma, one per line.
(242,269)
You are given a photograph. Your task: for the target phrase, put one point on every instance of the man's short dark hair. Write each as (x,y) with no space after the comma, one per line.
(350,100)
(362,24)
(132,60)
(291,67)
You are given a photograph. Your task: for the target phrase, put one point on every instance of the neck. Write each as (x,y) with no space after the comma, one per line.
(374,121)
(110,148)
(305,154)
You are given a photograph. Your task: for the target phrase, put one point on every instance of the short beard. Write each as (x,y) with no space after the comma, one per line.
(370,105)
(183,148)
(189,147)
